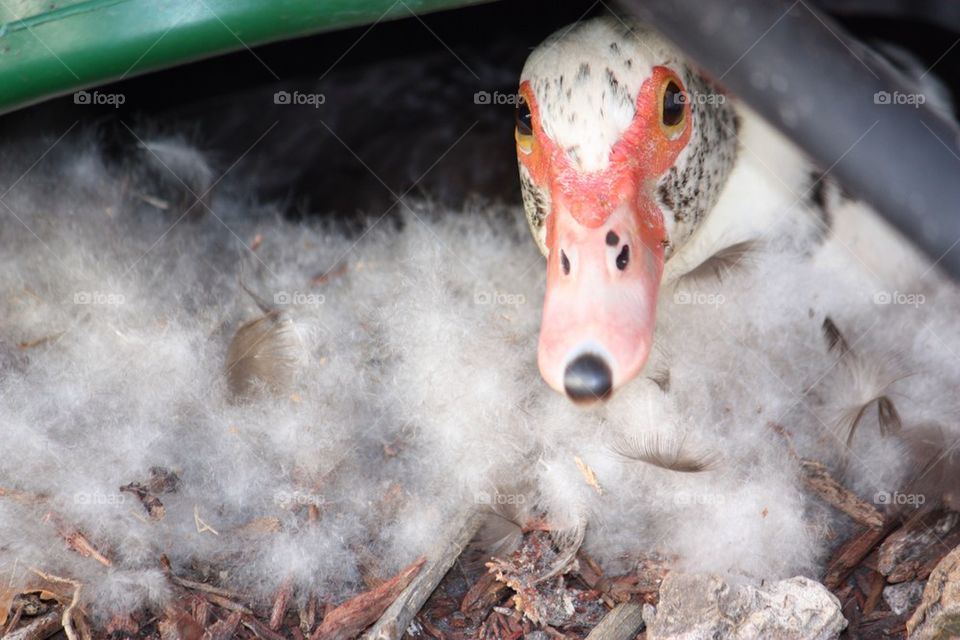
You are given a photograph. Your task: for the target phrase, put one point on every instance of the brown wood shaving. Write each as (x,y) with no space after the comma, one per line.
(227,603)
(39,629)
(259,629)
(356,614)
(852,553)
(177,624)
(77,541)
(821,482)
(912,552)
(66,618)
(483,595)
(284,593)
(224,629)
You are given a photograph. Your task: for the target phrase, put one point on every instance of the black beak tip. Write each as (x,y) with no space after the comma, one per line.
(588,378)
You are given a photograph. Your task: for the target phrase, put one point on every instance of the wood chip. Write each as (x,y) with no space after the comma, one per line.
(201,611)
(39,629)
(280,603)
(123,626)
(911,552)
(589,571)
(821,482)
(4,612)
(881,624)
(874,592)
(546,601)
(395,620)
(644,583)
(852,553)
(66,619)
(356,614)
(483,596)
(227,604)
(198,586)
(259,629)
(224,629)
(592,575)
(623,623)
(76,540)
(177,624)
(938,615)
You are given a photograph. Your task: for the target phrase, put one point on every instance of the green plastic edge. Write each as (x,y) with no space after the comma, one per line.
(93,42)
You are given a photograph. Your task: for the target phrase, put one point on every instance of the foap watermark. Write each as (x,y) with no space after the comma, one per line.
(709,99)
(497,498)
(99,98)
(915,500)
(298,298)
(100,499)
(698,298)
(685,498)
(897,97)
(98,298)
(297,98)
(500,298)
(899,298)
(297,498)
(497,98)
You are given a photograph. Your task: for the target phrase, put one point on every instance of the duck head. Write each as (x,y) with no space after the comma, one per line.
(623,150)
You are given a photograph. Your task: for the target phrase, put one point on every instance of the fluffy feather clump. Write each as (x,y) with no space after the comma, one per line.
(410,394)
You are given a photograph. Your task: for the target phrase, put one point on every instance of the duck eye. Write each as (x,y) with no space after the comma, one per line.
(672,111)
(524,118)
(524,130)
(623,258)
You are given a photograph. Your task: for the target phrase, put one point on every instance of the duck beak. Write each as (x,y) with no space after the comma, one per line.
(599,311)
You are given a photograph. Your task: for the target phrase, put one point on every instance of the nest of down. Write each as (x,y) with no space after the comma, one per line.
(197,390)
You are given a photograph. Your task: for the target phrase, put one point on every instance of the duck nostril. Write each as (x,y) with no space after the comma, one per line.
(564,263)
(623,259)
(588,378)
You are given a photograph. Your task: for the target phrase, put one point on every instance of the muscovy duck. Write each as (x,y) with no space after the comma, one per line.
(629,158)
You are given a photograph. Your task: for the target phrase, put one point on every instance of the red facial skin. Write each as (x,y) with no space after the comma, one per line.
(597,307)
